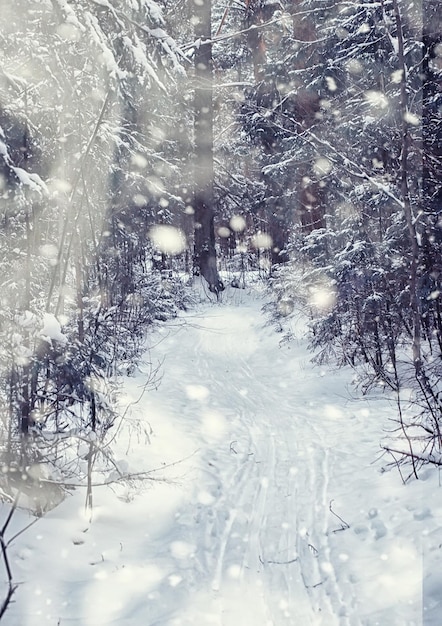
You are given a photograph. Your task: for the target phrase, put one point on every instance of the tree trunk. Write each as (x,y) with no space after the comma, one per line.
(204,251)
(405,192)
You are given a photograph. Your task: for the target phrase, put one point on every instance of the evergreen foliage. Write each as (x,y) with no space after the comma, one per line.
(88,165)
(373,260)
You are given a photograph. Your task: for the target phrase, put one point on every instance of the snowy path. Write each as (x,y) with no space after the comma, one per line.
(278,444)
(250,533)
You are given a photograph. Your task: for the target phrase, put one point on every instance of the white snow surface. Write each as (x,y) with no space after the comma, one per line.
(52,329)
(277,515)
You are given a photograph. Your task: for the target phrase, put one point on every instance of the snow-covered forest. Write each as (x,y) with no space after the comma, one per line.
(221,312)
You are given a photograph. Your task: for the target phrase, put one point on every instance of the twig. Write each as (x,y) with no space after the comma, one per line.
(417,457)
(316,584)
(11,590)
(127,476)
(20,532)
(345,526)
(4,549)
(283,562)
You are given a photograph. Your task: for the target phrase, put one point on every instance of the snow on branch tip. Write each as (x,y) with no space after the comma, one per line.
(28,179)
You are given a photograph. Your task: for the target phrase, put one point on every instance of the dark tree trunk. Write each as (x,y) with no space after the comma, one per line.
(204,252)
(431,116)
(310,199)
(255,39)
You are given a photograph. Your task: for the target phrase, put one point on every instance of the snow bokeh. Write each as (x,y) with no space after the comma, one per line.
(237,223)
(322,297)
(168,239)
(262,241)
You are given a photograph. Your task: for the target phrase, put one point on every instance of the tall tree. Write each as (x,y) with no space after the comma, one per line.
(205,252)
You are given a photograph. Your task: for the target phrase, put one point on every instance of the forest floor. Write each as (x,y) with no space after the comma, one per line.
(270,504)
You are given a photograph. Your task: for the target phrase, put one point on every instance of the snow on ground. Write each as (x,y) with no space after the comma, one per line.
(277,515)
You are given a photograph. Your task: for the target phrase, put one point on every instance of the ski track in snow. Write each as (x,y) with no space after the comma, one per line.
(266,556)
(252,537)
